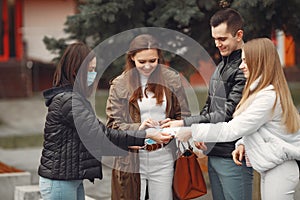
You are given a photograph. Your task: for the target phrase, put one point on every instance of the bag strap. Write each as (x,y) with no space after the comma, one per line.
(184,148)
(180,153)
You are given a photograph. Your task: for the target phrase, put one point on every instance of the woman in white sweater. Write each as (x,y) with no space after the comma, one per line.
(266,120)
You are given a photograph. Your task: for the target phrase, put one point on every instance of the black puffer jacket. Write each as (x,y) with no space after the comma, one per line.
(225,91)
(74,138)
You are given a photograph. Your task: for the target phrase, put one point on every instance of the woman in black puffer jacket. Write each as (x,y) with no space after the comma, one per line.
(74,139)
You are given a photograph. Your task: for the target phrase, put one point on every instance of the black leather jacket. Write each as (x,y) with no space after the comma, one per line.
(75,140)
(225,91)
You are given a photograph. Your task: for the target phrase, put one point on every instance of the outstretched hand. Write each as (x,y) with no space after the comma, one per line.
(158,136)
(183,134)
(200,145)
(171,123)
(148,123)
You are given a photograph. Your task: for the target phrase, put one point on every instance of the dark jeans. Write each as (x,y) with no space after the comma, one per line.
(228,180)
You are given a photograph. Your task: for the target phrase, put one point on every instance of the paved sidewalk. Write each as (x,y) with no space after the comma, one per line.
(22,116)
(26,117)
(28,159)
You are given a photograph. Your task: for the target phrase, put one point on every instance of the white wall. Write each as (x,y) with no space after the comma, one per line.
(44,18)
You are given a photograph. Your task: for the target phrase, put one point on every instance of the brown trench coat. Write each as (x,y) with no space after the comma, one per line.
(126,116)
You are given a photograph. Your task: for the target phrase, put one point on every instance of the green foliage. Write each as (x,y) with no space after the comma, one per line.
(174,12)
(55,46)
(264,16)
(98,20)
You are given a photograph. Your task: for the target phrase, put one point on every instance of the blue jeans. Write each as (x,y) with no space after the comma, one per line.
(61,190)
(228,180)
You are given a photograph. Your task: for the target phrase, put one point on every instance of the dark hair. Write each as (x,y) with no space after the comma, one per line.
(231,17)
(142,42)
(155,82)
(76,55)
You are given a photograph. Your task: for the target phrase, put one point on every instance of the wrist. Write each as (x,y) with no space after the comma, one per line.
(150,132)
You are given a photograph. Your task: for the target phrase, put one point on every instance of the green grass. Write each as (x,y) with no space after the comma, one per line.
(21,141)
(100,103)
(102,95)
(200,95)
(295,92)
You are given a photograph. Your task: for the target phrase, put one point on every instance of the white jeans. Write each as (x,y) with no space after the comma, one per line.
(280,182)
(156,169)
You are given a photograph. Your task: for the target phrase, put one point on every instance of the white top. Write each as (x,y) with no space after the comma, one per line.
(148,106)
(265,138)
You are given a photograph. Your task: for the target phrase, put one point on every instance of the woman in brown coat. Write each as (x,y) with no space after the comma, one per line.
(144,96)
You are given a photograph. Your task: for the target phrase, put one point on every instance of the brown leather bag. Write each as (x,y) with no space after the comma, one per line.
(188,181)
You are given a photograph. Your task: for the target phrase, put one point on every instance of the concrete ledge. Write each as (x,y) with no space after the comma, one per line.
(9,181)
(27,192)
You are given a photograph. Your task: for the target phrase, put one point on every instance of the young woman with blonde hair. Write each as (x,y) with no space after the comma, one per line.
(267,121)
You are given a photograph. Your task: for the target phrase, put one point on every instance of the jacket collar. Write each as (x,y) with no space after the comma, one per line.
(235,55)
(52,92)
(255,84)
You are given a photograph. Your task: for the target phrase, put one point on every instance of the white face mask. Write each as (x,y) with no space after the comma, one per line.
(91,77)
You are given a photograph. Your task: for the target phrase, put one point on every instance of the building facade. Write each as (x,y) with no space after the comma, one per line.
(25,63)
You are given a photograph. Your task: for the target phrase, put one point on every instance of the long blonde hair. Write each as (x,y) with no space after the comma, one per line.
(263,61)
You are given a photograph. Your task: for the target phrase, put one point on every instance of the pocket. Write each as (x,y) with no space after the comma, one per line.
(129,163)
(298,163)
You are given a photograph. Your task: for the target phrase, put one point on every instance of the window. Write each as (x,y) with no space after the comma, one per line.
(10,29)
(4,48)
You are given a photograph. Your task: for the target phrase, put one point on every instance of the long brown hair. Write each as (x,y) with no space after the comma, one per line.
(76,55)
(155,82)
(263,62)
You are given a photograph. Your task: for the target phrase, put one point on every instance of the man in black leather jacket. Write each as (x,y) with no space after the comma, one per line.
(228,181)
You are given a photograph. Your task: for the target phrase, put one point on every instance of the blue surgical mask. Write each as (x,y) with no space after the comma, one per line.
(91,77)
